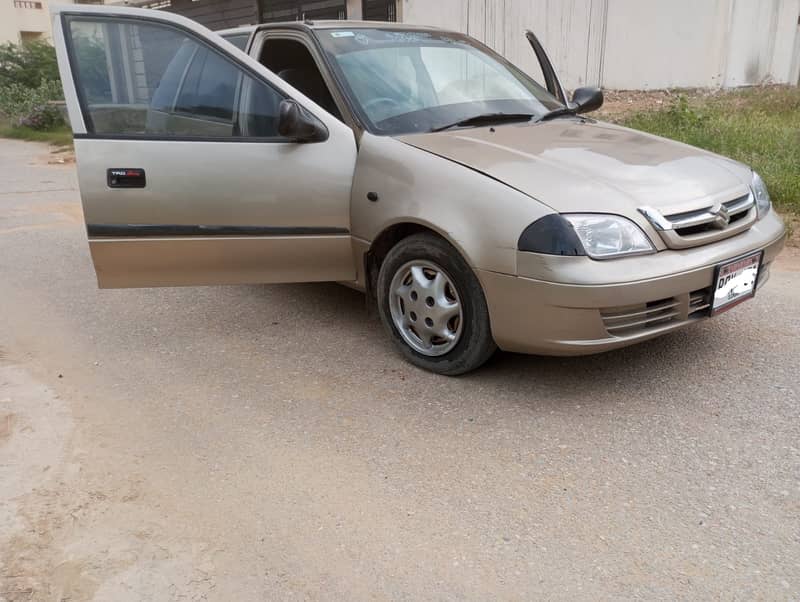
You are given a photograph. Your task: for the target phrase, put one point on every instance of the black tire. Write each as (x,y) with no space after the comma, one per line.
(475,344)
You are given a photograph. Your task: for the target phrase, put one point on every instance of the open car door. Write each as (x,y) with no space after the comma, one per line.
(184,176)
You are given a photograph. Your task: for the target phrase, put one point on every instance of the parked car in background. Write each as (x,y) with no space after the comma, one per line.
(477,205)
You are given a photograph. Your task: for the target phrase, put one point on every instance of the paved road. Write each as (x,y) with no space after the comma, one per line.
(265,442)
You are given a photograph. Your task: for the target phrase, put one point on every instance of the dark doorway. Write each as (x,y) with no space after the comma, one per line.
(214,14)
(379,10)
(273,11)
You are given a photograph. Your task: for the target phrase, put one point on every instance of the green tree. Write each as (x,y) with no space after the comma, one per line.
(27,64)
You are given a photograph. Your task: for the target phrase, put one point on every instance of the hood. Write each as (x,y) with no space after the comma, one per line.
(575,165)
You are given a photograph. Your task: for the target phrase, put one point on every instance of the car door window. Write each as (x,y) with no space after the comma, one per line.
(209,90)
(292,61)
(238,40)
(157,81)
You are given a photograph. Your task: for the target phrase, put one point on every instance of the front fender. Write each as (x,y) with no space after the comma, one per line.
(480,216)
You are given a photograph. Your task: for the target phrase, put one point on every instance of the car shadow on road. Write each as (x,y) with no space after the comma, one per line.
(660,361)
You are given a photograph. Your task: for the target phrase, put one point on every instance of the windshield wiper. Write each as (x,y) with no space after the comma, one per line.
(486,118)
(559,112)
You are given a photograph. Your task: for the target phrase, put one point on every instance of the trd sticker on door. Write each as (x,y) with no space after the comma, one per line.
(126,177)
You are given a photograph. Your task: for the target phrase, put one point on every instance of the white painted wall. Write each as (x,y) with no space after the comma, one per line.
(635,44)
(665,44)
(354,9)
(762,41)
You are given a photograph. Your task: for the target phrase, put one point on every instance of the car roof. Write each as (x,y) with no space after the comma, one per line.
(327,24)
(235,30)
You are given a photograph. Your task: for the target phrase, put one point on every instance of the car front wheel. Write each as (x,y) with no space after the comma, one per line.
(432,305)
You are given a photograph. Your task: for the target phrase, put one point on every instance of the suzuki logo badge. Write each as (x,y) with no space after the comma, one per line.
(723,218)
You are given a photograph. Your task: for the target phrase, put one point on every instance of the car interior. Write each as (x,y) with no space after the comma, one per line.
(291,61)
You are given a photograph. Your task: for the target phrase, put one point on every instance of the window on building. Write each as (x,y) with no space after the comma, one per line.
(31,36)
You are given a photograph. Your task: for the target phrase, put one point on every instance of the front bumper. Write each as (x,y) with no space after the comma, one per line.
(578,306)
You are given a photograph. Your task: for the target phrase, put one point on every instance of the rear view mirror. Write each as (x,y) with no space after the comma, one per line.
(296,123)
(586,100)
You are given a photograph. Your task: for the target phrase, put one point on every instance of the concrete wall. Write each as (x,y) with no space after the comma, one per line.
(8,24)
(635,44)
(764,41)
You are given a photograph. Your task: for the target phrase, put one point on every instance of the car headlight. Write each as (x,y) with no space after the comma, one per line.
(760,192)
(607,236)
(597,235)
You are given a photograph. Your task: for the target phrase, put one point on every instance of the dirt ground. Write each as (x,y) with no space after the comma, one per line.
(620,103)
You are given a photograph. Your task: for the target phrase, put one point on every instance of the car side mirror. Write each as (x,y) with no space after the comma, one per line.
(296,123)
(586,100)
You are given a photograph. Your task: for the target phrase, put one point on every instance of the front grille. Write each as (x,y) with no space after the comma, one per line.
(707,227)
(699,302)
(625,320)
(763,274)
(639,318)
(703,225)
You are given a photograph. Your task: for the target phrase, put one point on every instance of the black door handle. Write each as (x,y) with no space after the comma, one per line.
(126,177)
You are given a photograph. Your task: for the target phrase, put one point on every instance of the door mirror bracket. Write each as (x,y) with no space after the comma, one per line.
(552,83)
(297,124)
(585,100)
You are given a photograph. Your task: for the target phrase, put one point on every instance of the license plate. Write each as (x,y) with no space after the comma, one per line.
(734,282)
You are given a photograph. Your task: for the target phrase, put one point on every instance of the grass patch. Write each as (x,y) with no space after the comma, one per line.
(757,126)
(61,137)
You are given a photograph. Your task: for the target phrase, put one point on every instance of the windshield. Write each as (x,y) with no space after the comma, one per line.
(417,81)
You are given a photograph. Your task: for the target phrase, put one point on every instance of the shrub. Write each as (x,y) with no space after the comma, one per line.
(42,117)
(32,107)
(29,83)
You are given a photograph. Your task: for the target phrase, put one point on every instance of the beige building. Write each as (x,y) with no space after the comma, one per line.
(28,20)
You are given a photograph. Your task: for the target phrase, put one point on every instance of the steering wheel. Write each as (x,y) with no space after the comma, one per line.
(380,100)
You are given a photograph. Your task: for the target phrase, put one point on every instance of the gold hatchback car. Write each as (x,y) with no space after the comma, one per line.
(477,205)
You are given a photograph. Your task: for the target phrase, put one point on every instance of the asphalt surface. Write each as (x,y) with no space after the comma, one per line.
(266,442)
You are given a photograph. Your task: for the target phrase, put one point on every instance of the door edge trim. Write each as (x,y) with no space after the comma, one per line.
(181,138)
(181,230)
